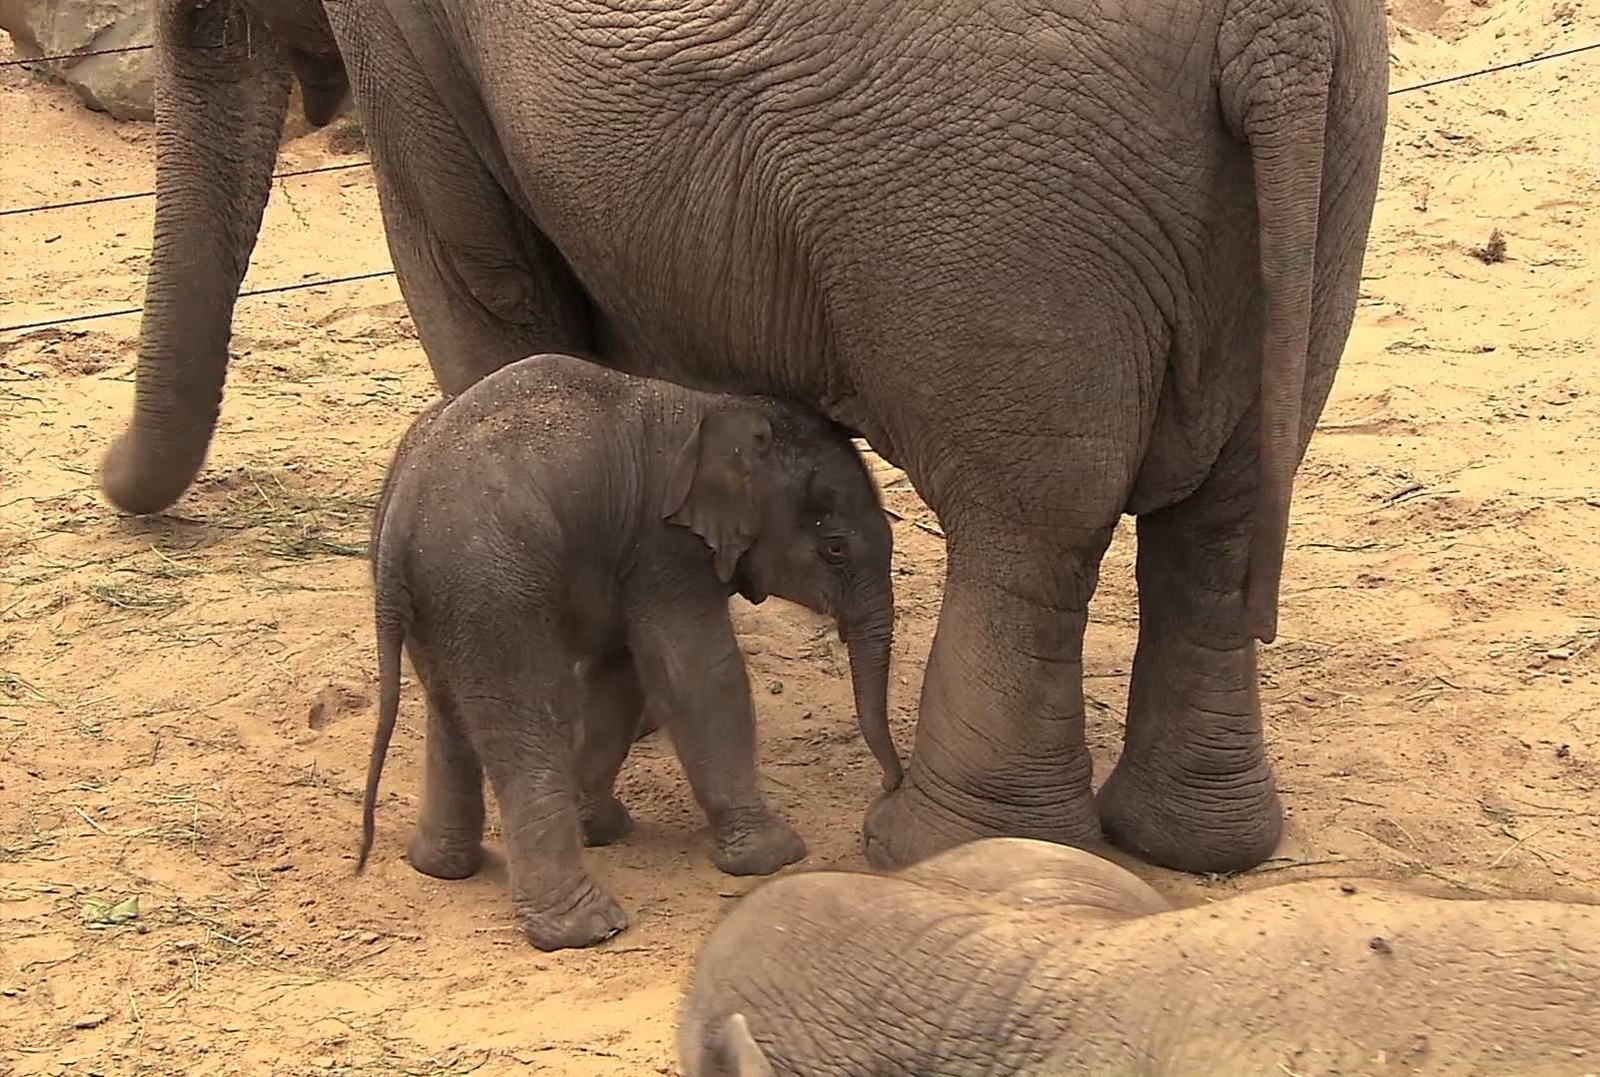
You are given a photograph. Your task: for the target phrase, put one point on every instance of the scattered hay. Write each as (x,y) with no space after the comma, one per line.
(295,520)
(133,596)
(25,841)
(15,686)
(97,914)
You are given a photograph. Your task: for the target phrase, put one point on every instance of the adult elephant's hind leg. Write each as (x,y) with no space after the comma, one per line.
(483,286)
(1193,789)
(1000,748)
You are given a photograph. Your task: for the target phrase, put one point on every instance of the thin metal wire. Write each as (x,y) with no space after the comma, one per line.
(373,275)
(274,290)
(72,55)
(1498,67)
(150,194)
(364,164)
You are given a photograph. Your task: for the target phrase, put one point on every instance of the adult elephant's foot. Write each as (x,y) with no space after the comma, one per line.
(587,916)
(1193,789)
(445,856)
(1000,748)
(1204,821)
(909,825)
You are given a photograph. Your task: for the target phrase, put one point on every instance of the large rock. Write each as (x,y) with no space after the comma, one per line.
(121,84)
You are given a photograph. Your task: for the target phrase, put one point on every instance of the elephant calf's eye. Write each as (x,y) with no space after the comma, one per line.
(834,549)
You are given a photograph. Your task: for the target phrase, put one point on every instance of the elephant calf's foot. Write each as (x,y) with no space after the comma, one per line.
(605,820)
(908,825)
(756,844)
(587,917)
(445,857)
(1199,823)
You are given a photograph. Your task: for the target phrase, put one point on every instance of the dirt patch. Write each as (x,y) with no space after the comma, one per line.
(186,703)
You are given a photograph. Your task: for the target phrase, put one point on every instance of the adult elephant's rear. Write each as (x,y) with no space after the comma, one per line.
(1059,262)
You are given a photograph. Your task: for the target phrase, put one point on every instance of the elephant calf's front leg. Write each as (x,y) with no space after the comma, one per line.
(690,662)
(1193,789)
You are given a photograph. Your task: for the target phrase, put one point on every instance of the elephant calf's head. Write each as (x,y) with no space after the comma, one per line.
(788,508)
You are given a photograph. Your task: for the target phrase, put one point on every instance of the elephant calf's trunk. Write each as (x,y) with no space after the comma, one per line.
(869,676)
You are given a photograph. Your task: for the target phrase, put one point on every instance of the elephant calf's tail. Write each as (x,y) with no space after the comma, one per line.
(1274,89)
(391,633)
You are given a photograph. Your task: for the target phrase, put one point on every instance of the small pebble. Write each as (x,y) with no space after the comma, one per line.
(93,1020)
(369,937)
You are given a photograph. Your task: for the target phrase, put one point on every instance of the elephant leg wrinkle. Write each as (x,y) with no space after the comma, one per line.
(1000,746)
(1193,789)
(448,840)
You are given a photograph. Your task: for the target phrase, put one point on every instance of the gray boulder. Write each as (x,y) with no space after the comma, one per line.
(121,84)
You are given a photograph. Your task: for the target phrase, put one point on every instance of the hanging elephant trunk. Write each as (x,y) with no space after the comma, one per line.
(222,89)
(868,638)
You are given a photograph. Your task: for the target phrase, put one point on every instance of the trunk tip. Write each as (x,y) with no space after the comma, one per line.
(134,484)
(893,776)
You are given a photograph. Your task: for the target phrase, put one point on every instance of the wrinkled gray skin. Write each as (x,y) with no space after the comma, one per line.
(540,546)
(1008,957)
(1059,261)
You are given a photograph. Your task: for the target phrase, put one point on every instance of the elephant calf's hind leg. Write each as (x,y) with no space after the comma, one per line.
(528,757)
(613,704)
(1193,790)
(448,840)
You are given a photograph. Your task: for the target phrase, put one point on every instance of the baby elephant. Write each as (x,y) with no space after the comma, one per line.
(540,549)
(1008,957)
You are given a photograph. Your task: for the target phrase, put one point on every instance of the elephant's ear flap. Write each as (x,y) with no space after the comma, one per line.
(739,1053)
(713,487)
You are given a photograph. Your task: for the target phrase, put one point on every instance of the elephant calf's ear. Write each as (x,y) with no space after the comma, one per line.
(738,1054)
(713,485)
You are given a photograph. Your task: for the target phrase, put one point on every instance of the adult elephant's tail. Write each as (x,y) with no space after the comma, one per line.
(1275,79)
(222,86)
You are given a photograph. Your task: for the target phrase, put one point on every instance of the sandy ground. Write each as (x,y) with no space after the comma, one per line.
(186,703)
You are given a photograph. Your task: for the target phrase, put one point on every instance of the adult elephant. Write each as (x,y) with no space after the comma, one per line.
(1009,958)
(1058,261)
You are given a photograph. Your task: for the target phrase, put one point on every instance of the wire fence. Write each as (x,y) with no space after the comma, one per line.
(101,199)
(378,273)
(81,55)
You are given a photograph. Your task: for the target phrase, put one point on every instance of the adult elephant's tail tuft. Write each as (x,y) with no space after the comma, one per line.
(1274,89)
